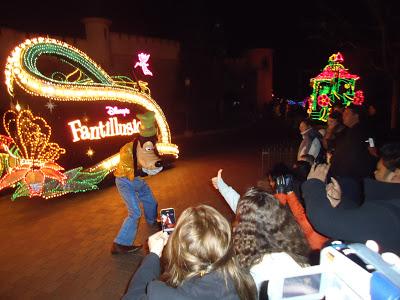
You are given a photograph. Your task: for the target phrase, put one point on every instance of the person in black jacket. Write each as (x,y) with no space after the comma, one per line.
(200,262)
(352,156)
(378,218)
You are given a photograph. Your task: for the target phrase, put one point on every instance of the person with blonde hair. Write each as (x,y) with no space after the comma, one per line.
(200,262)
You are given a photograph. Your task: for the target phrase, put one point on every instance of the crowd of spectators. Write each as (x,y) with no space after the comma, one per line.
(342,187)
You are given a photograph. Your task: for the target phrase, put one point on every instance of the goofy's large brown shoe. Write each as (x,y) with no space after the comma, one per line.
(122,249)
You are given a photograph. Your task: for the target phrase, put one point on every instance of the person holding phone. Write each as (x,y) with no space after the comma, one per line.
(351,158)
(200,262)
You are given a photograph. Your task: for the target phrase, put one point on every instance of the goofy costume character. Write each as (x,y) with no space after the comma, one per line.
(137,158)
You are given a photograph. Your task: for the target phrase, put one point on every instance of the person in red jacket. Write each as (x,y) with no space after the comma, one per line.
(286,196)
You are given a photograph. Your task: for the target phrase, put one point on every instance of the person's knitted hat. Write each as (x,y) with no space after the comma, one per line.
(147,127)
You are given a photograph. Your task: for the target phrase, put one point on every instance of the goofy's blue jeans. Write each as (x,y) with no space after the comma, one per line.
(133,191)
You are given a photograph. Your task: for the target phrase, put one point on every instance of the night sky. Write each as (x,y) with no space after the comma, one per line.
(239,24)
(302,33)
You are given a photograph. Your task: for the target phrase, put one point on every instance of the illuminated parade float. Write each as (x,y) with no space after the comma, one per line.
(333,85)
(69,119)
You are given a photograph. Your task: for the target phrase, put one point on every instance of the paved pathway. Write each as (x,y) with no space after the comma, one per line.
(60,248)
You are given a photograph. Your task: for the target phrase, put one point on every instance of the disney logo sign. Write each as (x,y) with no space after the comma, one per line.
(117,111)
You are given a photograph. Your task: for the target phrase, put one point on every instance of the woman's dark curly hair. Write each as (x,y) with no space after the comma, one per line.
(262,226)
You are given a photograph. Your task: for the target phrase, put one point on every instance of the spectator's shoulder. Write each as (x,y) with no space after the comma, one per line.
(376,190)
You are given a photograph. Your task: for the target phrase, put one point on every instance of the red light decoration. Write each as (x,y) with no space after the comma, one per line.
(358,98)
(338,57)
(323,100)
(332,72)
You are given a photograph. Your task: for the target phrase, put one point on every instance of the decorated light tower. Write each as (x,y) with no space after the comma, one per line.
(333,85)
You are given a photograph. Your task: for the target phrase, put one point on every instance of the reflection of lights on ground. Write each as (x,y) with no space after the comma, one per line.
(90,152)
